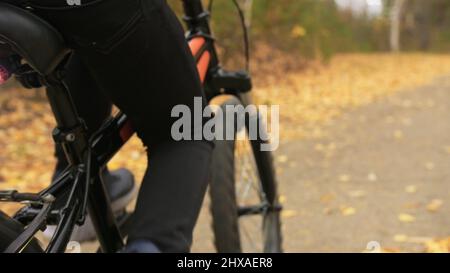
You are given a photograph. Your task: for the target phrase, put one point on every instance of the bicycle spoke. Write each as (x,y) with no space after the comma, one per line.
(249,193)
(248,236)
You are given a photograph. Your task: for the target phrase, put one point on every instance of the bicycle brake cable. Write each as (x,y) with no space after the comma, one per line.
(210,5)
(244,29)
(245,34)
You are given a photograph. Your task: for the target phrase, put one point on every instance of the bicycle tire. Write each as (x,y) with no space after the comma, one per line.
(224,204)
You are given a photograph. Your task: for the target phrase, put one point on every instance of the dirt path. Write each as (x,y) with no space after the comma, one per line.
(382,174)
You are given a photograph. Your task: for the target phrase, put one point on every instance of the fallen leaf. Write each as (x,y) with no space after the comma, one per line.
(282,159)
(400,238)
(438,246)
(372,177)
(344,178)
(288,213)
(348,211)
(398,134)
(411,189)
(406,218)
(327,198)
(391,250)
(435,205)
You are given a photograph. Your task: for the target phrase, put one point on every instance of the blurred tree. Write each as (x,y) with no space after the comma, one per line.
(396,17)
(423,13)
(318,28)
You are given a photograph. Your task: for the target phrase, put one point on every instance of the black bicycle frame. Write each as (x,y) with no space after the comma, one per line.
(80,186)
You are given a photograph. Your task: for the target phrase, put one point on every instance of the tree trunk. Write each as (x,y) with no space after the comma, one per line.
(396,17)
(423,13)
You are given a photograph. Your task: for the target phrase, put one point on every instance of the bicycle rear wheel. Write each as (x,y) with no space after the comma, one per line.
(243,191)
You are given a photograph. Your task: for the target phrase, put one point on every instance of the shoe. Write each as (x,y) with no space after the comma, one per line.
(140,246)
(121,189)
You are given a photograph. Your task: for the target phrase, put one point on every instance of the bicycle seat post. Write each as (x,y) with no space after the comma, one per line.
(71,133)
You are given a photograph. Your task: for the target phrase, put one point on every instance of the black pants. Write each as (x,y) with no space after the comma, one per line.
(133,53)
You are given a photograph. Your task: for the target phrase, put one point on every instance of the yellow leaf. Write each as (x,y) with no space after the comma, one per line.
(344,178)
(400,238)
(282,159)
(435,205)
(398,134)
(438,246)
(327,198)
(411,189)
(406,218)
(348,211)
(288,213)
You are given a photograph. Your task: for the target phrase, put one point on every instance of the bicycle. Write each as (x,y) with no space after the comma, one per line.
(80,187)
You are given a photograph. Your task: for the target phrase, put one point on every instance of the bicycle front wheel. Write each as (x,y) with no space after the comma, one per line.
(243,191)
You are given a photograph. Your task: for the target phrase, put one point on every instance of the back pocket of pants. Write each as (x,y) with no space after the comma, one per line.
(101,24)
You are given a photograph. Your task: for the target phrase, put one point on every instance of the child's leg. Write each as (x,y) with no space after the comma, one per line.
(137,53)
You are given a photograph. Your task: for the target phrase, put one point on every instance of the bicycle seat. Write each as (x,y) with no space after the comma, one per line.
(31,37)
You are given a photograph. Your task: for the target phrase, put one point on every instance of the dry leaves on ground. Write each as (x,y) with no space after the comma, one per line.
(317,95)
